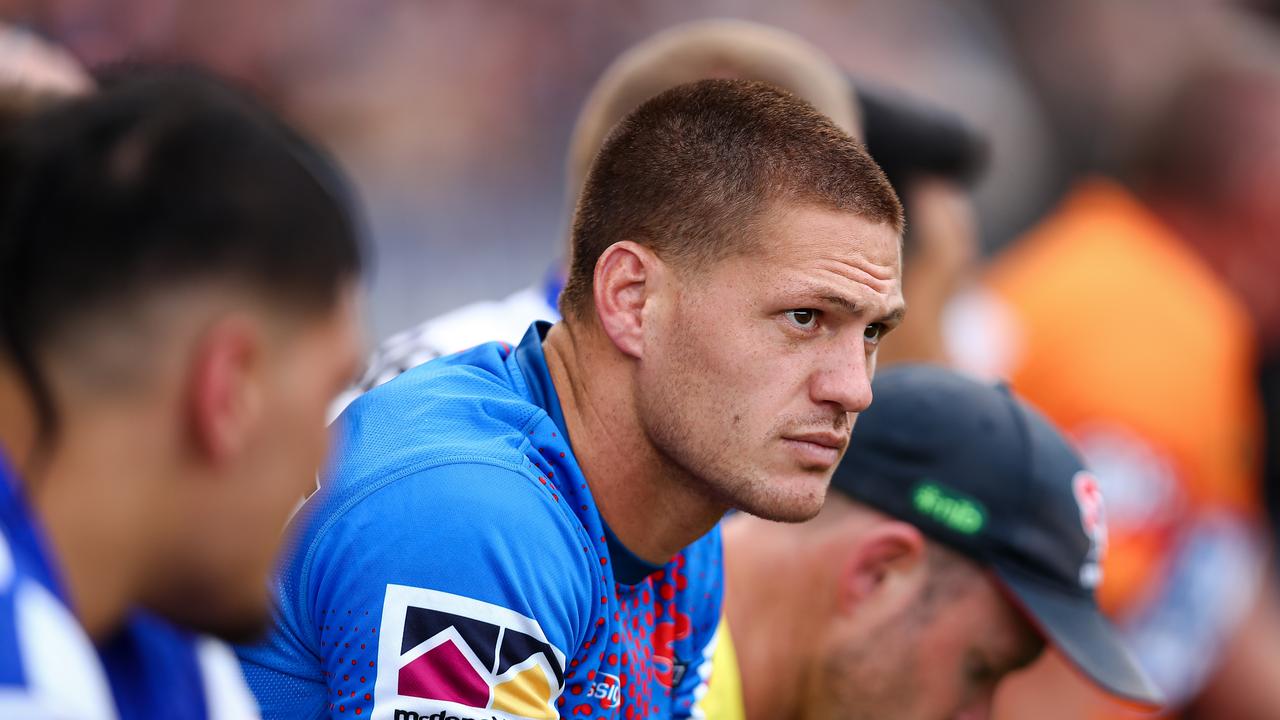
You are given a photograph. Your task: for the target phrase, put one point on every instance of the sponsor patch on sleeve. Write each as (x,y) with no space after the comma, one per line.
(447,657)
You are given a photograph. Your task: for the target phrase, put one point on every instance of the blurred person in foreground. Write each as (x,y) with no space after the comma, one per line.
(531,531)
(1132,316)
(961,534)
(177,279)
(684,53)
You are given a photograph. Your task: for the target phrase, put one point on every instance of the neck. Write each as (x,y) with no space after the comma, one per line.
(768,600)
(17,420)
(652,505)
(78,492)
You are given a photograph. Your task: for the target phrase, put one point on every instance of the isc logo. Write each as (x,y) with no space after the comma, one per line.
(608,690)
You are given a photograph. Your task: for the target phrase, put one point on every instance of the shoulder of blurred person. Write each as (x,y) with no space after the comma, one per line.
(456,330)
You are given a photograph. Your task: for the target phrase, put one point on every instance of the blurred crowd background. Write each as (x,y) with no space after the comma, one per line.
(453,118)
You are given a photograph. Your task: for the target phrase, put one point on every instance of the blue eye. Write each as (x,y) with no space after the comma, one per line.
(805,319)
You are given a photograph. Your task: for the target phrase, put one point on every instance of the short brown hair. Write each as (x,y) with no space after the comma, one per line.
(701,49)
(691,168)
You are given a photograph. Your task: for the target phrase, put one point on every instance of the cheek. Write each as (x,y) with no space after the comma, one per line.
(943,672)
(726,378)
(746,363)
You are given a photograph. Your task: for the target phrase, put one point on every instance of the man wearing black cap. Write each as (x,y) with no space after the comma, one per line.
(962,534)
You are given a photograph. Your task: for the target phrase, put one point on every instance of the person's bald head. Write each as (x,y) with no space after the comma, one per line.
(731,49)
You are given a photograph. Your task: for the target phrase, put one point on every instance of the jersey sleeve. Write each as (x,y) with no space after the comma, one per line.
(462,588)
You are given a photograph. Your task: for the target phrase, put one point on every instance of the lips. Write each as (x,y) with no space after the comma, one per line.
(817,450)
(834,440)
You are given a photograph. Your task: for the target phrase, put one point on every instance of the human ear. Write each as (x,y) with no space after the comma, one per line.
(624,281)
(224,387)
(884,565)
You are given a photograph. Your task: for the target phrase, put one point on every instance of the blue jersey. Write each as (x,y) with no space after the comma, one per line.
(50,669)
(453,565)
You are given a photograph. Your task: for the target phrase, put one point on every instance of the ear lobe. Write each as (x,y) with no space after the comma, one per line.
(883,564)
(224,387)
(624,280)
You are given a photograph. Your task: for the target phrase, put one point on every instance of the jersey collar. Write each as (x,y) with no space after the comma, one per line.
(628,568)
(21,528)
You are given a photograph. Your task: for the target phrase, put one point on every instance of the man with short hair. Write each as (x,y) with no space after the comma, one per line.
(177,278)
(530,531)
(961,534)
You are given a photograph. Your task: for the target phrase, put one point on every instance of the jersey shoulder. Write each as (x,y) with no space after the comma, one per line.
(472,406)
(470,565)
(48,665)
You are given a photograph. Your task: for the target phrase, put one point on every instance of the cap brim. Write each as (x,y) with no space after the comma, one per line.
(1081,633)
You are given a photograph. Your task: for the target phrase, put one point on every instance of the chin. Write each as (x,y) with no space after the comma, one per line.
(238,621)
(244,629)
(795,500)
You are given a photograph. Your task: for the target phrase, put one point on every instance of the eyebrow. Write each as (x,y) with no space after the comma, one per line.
(893,317)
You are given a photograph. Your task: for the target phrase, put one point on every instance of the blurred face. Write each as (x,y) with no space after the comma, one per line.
(759,363)
(239,525)
(939,659)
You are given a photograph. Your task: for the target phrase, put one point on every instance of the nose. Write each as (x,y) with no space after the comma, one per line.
(845,378)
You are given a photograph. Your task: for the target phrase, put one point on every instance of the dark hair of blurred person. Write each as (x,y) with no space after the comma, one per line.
(177,307)
(932,159)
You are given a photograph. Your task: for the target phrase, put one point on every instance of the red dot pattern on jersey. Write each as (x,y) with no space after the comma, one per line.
(626,665)
(343,689)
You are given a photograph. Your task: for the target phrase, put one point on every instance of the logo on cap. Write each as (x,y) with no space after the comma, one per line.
(440,651)
(1093,519)
(949,508)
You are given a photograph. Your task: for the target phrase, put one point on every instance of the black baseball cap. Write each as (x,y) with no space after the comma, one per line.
(982,472)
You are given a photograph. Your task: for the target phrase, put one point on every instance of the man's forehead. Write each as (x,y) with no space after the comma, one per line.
(834,240)
(836,276)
